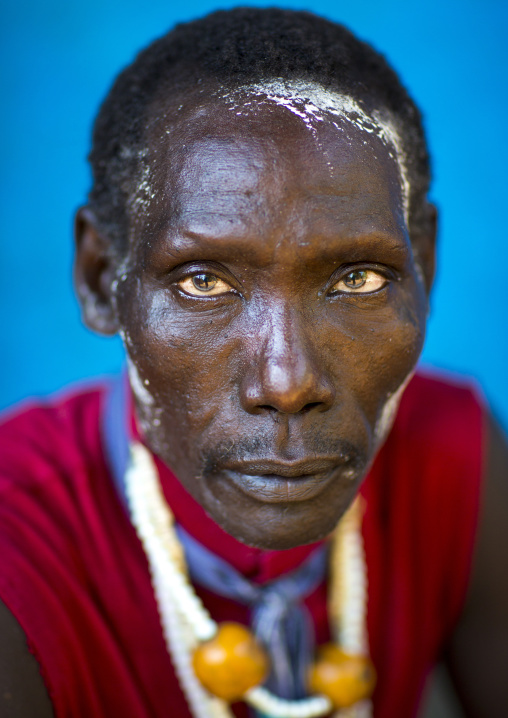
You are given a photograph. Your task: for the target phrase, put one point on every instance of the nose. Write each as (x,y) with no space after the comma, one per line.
(286,373)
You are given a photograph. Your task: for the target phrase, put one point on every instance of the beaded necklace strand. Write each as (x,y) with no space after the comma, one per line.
(188,627)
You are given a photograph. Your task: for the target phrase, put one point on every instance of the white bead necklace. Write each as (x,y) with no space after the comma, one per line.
(186,622)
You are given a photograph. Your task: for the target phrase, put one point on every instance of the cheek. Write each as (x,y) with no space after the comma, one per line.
(378,348)
(182,361)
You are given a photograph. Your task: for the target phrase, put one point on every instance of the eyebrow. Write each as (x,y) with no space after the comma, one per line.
(378,245)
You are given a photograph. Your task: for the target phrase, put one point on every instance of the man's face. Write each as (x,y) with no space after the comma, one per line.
(270,309)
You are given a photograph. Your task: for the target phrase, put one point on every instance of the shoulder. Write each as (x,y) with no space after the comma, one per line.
(447,409)
(426,487)
(52,466)
(39,438)
(45,447)
(439,438)
(51,461)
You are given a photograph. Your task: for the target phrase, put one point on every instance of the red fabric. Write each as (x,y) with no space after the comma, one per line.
(74,574)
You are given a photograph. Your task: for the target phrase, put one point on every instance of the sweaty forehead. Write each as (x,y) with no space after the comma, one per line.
(220,171)
(241,166)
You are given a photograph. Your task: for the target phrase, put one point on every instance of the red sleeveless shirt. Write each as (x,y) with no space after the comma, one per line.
(74,575)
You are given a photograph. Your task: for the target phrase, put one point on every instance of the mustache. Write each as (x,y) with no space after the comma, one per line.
(258,448)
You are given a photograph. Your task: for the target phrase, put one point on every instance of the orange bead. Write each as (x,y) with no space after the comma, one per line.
(231,662)
(343,677)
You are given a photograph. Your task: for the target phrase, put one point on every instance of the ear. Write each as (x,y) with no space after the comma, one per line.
(94,273)
(425,245)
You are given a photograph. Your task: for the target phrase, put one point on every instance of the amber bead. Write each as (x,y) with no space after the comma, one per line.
(231,662)
(343,677)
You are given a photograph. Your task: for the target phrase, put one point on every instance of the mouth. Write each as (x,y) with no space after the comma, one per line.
(270,481)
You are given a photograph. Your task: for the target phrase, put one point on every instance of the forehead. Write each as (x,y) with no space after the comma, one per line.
(254,158)
(314,104)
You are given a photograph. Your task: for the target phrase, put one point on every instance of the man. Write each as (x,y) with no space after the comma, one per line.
(259,233)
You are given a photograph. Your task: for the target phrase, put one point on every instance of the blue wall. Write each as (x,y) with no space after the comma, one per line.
(57,61)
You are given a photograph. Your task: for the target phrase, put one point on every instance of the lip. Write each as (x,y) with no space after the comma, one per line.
(271,481)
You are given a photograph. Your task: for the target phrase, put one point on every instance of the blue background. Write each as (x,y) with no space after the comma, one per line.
(57,61)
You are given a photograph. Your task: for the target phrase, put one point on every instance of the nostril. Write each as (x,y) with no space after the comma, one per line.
(311,405)
(273,410)
(267,407)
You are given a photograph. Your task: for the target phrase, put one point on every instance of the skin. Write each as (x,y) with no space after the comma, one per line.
(266,397)
(286,365)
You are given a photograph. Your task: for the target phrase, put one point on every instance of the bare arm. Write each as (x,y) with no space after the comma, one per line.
(478,653)
(22,690)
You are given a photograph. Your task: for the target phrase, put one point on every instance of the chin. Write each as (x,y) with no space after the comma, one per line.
(282,537)
(270,541)
(280,527)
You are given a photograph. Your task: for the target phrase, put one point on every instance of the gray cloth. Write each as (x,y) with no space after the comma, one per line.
(280,621)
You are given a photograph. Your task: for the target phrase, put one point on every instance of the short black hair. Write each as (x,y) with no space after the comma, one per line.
(237,47)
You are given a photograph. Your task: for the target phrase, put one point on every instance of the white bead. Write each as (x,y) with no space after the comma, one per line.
(276,707)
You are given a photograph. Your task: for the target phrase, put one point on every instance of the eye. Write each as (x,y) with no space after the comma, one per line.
(360,281)
(204,284)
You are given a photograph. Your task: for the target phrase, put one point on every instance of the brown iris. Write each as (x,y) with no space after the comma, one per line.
(204,282)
